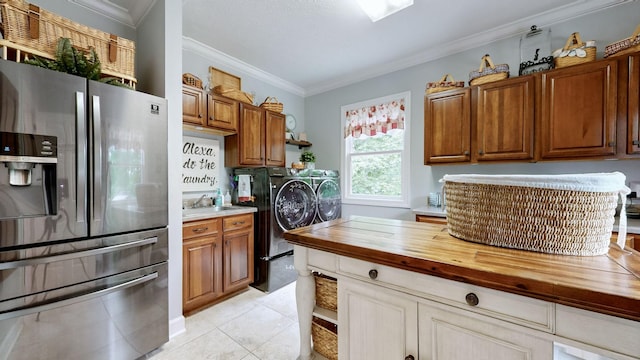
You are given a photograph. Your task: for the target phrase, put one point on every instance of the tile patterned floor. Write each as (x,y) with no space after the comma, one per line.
(250,326)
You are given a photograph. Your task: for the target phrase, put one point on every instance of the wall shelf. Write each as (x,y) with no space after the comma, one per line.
(300,144)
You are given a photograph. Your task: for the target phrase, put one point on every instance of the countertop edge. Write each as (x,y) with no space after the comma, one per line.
(582,298)
(235,210)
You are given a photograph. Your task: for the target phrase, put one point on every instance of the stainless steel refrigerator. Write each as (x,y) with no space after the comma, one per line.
(83,217)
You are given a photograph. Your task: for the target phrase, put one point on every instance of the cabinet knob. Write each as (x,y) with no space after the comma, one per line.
(466,153)
(472,299)
(480,152)
(611,143)
(636,142)
(373,274)
(409,357)
(211,118)
(199,116)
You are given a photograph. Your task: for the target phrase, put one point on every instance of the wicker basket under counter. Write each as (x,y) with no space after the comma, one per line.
(326,292)
(325,338)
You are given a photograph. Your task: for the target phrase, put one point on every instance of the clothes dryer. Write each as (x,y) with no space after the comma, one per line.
(326,185)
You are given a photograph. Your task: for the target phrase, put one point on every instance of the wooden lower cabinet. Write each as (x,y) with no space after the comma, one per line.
(217,260)
(238,252)
(431,219)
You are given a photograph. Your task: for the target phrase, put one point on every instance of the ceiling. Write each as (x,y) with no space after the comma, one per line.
(311,46)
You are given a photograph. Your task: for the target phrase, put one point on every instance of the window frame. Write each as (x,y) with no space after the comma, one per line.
(401,201)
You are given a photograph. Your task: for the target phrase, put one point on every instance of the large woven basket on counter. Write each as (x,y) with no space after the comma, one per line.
(557,214)
(31,27)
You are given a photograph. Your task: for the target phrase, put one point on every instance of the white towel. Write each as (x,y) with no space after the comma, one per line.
(244,188)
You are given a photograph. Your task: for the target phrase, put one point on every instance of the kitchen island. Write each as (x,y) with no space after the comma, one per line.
(410,290)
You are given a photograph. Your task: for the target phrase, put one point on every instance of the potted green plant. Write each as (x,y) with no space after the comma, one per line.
(308,158)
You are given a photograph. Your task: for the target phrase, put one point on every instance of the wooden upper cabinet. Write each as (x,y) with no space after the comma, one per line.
(193,105)
(447,127)
(259,140)
(274,138)
(222,112)
(504,120)
(579,111)
(251,135)
(633,108)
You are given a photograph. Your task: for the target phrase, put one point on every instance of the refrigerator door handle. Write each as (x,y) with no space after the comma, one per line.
(81,161)
(75,255)
(97,158)
(72,300)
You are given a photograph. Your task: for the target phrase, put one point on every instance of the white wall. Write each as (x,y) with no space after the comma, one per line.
(322,111)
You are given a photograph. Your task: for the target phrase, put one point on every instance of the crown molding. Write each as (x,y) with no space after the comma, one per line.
(128,16)
(192,45)
(558,15)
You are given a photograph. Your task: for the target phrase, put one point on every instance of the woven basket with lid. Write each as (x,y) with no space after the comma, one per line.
(557,214)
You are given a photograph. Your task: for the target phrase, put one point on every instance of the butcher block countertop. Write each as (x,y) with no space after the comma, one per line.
(608,284)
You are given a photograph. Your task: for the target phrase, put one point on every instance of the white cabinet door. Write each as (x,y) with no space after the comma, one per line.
(375,323)
(448,333)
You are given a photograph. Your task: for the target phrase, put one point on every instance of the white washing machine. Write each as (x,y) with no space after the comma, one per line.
(326,185)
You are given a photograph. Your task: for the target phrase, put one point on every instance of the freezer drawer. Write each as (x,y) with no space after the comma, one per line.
(118,317)
(33,270)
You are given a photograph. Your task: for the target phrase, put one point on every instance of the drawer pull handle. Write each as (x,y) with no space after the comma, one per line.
(238,223)
(199,230)
(409,357)
(472,299)
(373,274)
(636,142)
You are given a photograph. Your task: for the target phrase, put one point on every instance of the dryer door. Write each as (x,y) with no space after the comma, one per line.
(295,205)
(329,200)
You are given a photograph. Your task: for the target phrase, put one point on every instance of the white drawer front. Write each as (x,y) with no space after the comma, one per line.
(322,260)
(604,331)
(521,310)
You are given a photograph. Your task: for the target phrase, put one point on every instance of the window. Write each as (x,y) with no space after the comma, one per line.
(375,151)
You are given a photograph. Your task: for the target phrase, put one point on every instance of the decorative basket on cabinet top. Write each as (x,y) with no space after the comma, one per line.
(445,83)
(488,72)
(30,26)
(574,52)
(624,46)
(271,103)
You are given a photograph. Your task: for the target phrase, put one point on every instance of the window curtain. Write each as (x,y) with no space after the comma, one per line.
(375,119)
